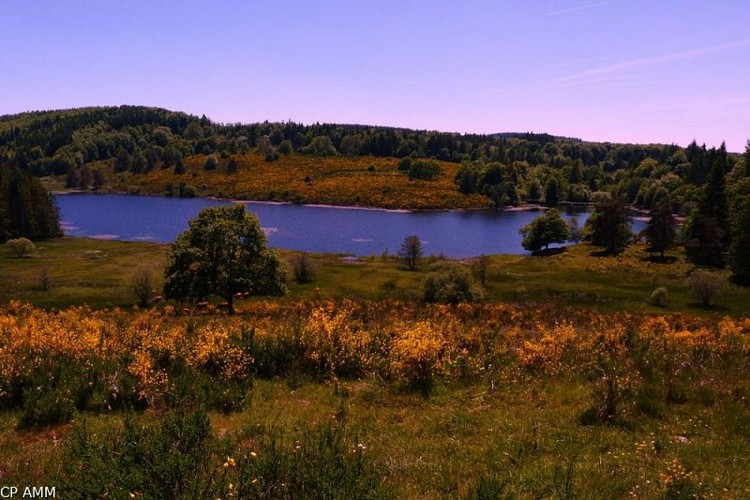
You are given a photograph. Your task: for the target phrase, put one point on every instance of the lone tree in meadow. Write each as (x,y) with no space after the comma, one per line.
(549,228)
(661,232)
(411,251)
(223,253)
(608,226)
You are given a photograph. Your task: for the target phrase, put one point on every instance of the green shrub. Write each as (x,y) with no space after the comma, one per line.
(405,164)
(451,283)
(189,191)
(20,247)
(170,459)
(211,163)
(487,488)
(177,457)
(659,297)
(141,286)
(304,271)
(706,285)
(322,464)
(426,170)
(45,407)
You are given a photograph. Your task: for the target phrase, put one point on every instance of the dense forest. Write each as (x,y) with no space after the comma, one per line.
(508,168)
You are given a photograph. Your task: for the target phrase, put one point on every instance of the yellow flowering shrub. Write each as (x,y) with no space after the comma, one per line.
(151,354)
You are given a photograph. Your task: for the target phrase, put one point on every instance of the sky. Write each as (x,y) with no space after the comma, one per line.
(639,71)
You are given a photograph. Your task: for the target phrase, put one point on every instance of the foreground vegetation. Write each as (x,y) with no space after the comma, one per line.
(378,398)
(566,380)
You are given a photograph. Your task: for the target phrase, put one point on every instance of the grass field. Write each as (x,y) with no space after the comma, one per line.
(527,437)
(97,273)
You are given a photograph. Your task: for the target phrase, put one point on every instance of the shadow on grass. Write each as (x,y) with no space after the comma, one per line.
(740,281)
(549,252)
(710,307)
(657,259)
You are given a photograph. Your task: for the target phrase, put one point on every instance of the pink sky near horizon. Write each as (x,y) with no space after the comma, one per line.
(601,70)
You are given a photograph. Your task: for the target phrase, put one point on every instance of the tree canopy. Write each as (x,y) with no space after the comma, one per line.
(661,232)
(546,229)
(739,251)
(223,253)
(608,226)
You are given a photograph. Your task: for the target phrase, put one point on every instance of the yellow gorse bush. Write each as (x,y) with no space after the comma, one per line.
(394,341)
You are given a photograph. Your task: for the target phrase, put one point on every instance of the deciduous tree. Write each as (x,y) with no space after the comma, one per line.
(222,253)
(411,251)
(549,228)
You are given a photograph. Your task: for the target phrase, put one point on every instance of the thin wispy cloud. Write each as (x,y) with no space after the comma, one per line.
(654,60)
(583,7)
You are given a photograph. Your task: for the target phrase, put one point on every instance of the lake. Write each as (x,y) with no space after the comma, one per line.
(309,228)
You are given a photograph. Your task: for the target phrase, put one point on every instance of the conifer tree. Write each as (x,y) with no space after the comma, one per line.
(608,226)
(661,232)
(26,209)
(739,251)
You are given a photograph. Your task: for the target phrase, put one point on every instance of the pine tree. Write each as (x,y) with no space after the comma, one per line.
(26,209)
(739,251)
(703,240)
(661,232)
(608,226)
(552,193)
(714,201)
(705,237)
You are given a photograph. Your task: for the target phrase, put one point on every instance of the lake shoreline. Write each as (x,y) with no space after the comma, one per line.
(520,208)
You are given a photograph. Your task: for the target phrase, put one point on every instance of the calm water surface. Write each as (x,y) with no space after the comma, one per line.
(308,228)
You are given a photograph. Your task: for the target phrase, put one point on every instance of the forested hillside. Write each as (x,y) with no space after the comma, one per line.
(91,147)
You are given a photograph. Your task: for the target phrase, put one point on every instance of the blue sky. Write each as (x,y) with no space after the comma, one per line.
(605,70)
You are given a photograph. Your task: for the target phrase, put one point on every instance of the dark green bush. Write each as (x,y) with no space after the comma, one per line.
(44,407)
(451,283)
(178,457)
(166,460)
(304,271)
(322,464)
(426,170)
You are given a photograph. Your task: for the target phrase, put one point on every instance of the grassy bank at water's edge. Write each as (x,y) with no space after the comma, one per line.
(98,272)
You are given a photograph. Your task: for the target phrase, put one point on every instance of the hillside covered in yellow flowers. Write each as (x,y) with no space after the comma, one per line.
(365,181)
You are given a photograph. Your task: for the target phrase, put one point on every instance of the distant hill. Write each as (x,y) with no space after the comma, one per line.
(533,136)
(88,146)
